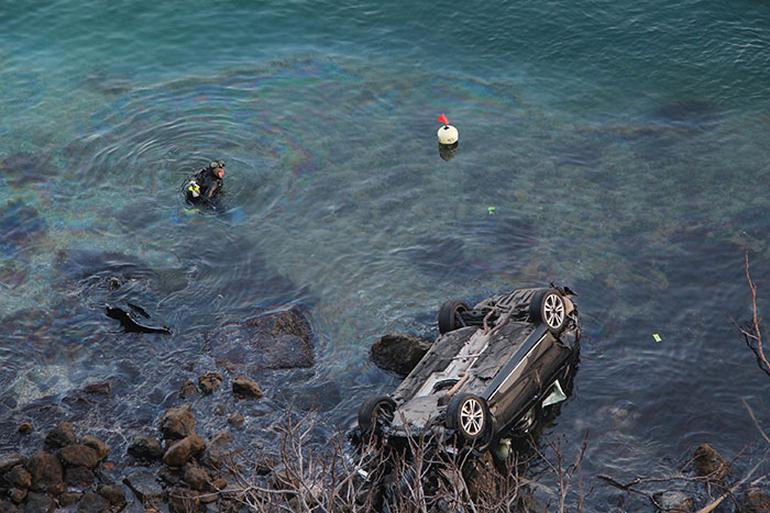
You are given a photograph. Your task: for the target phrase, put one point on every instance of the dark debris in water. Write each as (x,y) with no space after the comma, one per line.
(22,169)
(20,225)
(691,111)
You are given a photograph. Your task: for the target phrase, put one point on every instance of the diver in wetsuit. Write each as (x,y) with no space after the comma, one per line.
(206,184)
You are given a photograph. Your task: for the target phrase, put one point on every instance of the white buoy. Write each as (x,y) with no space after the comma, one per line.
(448,135)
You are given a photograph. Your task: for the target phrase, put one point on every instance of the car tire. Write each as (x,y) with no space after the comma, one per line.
(548,306)
(375,413)
(448,316)
(469,416)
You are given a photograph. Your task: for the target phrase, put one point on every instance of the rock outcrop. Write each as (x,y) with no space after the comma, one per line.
(399,353)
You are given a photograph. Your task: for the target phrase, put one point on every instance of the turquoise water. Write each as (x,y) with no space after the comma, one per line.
(623,145)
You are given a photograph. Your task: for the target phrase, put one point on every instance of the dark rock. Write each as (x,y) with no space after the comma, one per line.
(8,507)
(217,450)
(210,382)
(69,498)
(39,503)
(220,484)
(26,428)
(145,448)
(399,353)
(46,471)
(181,451)
(188,389)
(755,500)
(674,501)
(183,500)
(61,436)
(8,461)
(280,340)
(236,420)
(93,503)
(245,388)
(177,423)
(103,388)
(17,495)
(80,477)
(79,455)
(708,462)
(144,485)
(197,478)
(171,476)
(19,477)
(101,448)
(114,494)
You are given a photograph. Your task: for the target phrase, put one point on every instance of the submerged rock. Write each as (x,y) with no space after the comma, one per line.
(280,340)
(399,353)
(210,382)
(23,168)
(101,448)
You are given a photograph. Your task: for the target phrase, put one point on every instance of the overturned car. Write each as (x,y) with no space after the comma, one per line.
(491,373)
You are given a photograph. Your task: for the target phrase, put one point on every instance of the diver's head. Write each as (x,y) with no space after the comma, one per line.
(218,168)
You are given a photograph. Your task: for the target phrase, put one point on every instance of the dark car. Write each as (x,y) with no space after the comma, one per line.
(491,372)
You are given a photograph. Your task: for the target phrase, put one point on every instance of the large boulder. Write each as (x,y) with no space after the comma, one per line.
(178,423)
(79,455)
(145,448)
(61,436)
(399,353)
(279,340)
(182,451)
(46,471)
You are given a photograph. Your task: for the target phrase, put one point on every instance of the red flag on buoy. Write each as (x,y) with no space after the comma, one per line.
(443,119)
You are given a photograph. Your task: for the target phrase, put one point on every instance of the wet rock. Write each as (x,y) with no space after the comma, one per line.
(8,461)
(103,388)
(79,476)
(755,500)
(183,500)
(181,451)
(61,436)
(8,507)
(399,353)
(39,503)
(220,484)
(17,495)
(197,478)
(26,428)
(69,498)
(188,389)
(273,341)
(236,420)
(46,471)
(674,501)
(178,423)
(101,448)
(79,455)
(19,477)
(217,450)
(114,494)
(145,448)
(708,462)
(245,388)
(93,503)
(210,382)
(144,485)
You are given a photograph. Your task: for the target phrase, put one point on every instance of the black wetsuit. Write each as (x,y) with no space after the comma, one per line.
(210,184)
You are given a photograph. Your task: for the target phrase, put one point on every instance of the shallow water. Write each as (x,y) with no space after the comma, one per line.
(623,145)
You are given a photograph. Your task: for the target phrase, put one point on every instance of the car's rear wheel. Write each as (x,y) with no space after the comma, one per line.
(375,413)
(450,316)
(468,414)
(548,306)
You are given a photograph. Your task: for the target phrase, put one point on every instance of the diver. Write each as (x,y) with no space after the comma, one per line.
(206,184)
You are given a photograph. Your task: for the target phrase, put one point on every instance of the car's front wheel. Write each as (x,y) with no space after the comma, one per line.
(469,415)
(548,306)
(375,413)
(450,316)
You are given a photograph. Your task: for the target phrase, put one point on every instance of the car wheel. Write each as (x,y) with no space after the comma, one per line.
(469,416)
(375,413)
(548,307)
(449,316)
